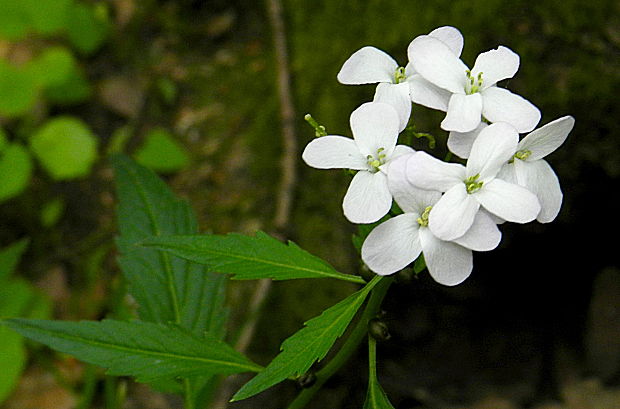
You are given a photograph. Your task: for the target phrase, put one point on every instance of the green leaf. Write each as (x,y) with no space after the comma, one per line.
(376,397)
(18,88)
(147,351)
(249,258)
(166,288)
(307,345)
(16,168)
(12,360)
(4,141)
(47,16)
(87,28)
(13,20)
(161,152)
(74,89)
(66,148)
(53,66)
(10,256)
(52,212)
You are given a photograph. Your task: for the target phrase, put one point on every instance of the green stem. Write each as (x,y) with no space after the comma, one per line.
(189,396)
(372,359)
(350,346)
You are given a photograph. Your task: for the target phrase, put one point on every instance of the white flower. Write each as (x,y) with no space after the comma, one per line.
(530,170)
(472,93)
(369,65)
(375,131)
(397,242)
(469,187)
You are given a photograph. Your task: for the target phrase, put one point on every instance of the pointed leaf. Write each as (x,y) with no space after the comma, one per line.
(307,345)
(147,351)
(249,258)
(167,289)
(376,397)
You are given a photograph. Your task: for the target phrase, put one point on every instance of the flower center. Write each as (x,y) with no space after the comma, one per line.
(472,185)
(399,75)
(523,155)
(474,83)
(375,161)
(423,219)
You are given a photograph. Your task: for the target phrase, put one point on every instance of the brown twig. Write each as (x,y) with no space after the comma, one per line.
(285,192)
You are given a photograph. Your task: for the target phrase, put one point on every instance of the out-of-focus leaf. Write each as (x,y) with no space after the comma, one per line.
(47,16)
(15,168)
(66,148)
(161,152)
(52,67)
(12,360)
(10,256)
(51,212)
(13,20)
(74,89)
(145,350)
(18,89)
(86,28)
(4,141)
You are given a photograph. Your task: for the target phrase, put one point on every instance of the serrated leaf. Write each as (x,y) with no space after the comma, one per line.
(16,168)
(376,397)
(306,346)
(166,288)
(249,257)
(10,256)
(147,351)
(66,147)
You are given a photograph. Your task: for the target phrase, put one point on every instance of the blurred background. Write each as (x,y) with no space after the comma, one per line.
(190,89)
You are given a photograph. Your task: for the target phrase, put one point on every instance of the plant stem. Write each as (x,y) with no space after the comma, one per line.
(350,346)
(372,359)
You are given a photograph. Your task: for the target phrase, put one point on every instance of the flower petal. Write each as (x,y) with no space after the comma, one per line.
(544,140)
(392,245)
(428,94)
(493,147)
(375,126)
(436,62)
(334,152)
(409,198)
(460,143)
(483,235)
(464,113)
(451,36)
(453,214)
(507,173)
(368,198)
(427,172)
(539,178)
(501,105)
(396,95)
(496,65)
(368,65)
(447,262)
(511,202)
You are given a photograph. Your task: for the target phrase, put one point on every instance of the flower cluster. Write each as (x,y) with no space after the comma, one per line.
(448,209)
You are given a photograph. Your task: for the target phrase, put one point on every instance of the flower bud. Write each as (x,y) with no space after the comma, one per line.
(378,329)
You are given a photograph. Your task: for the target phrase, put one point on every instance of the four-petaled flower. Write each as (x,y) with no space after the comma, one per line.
(395,243)
(469,187)
(375,131)
(472,94)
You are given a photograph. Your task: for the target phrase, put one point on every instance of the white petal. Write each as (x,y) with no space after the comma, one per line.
(448,263)
(483,235)
(496,65)
(392,245)
(375,126)
(451,36)
(368,198)
(540,179)
(426,93)
(368,65)
(334,152)
(460,143)
(453,214)
(547,139)
(396,95)
(426,172)
(400,150)
(501,105)
(436,62)
(409,198)
(511,202)
(493,147)
(464,113)
(507,173)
